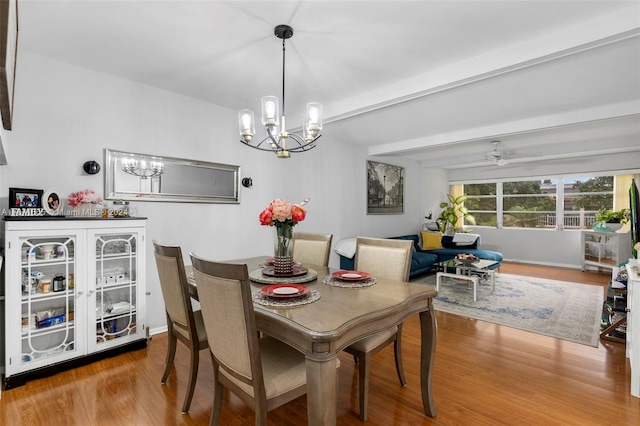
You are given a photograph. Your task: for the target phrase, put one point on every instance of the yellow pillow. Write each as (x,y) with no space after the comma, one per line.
(431,240)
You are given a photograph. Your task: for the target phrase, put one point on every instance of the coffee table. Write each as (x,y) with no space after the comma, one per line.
(468,273)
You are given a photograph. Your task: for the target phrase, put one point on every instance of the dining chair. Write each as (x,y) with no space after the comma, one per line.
(264,372)
(312,248)
(382,258)
(183,323)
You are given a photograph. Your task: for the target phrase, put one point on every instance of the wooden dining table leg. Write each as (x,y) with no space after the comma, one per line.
(322,396)
(428,331)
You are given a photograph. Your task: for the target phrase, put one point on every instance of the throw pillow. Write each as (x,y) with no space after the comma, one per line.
(431,240)
(622,276)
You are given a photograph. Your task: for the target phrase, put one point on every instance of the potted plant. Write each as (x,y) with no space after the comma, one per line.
(612,219)
(453,211)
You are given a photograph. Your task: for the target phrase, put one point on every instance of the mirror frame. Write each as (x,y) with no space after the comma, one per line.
(113,168)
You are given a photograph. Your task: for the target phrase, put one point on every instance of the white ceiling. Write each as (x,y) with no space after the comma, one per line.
(433,80)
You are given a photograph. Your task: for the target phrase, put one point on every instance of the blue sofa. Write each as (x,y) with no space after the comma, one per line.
(422,261)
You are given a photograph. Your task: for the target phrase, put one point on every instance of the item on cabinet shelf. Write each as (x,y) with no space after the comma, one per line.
(60,251)
(45,286)
(48,322)
(29,253)
(72,281)
(102,303)
(120,308)
(59,283)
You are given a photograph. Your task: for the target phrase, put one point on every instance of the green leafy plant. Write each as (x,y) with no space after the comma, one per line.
(612,216)
(453,211)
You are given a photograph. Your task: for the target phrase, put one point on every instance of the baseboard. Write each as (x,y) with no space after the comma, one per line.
(552,264)
(157,330)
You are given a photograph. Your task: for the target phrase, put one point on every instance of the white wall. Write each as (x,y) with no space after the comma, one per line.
(65,115)
(539,246)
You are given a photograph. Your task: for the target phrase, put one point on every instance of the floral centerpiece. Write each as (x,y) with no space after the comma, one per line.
(84,202)
(283,216)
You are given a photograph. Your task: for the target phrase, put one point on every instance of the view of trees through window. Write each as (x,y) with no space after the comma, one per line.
(547,203)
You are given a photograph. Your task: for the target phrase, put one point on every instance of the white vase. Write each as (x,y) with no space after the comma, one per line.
(86,210)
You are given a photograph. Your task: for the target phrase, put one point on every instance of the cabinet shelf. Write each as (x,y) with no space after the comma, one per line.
(111,317)
(46,296)
(604,249)
(28,331)
(112,286)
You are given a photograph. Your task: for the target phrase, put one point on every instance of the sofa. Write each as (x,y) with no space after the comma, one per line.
(423,260)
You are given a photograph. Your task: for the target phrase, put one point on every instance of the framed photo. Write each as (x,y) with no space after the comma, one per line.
(385,188)
(25,202)
(53,202)
(8,51)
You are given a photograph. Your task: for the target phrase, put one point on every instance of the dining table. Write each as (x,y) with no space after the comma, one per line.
(338,317)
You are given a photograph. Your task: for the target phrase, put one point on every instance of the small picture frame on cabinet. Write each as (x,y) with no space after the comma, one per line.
(53,202)
(25,202)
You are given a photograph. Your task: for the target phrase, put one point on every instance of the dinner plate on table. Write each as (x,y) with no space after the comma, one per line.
(351,275)
(284,291)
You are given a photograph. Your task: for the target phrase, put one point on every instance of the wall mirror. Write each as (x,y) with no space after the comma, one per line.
(142,177)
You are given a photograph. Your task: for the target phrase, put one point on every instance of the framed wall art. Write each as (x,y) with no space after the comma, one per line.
(385,188)
(8,51)
(25,202)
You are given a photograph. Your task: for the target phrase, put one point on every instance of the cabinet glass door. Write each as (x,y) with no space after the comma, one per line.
(116,294)
(47,303)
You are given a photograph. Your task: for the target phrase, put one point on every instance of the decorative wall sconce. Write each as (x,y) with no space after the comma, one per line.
(91,167)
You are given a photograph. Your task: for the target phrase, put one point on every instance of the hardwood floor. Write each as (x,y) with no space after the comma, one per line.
(485,374)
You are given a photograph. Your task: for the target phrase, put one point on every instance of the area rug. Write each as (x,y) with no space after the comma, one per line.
(560,309)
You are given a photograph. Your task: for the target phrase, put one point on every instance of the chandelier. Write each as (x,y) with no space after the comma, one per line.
(141,169)
(274,123)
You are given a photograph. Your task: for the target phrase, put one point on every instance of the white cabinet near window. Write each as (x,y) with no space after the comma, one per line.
(633,324)
(604,249)
(74,291)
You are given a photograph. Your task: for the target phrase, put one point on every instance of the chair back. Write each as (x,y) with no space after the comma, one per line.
(224,292)
(175,289)
(312,248)
(384,258)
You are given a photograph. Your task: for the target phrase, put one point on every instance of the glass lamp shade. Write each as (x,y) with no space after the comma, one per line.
(313,120)
(247,124)
(270,111)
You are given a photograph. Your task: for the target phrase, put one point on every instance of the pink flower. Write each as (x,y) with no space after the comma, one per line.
(86,196)
(298,213)
(281,212)
(265,217)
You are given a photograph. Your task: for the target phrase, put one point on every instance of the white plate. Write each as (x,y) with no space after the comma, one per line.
(285,290)
(351,276)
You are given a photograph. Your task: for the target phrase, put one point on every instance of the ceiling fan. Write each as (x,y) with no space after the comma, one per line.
(498,157)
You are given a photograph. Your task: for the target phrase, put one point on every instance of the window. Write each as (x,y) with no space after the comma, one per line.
(526,205)
(482,203)
(551,203)
(583,197)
